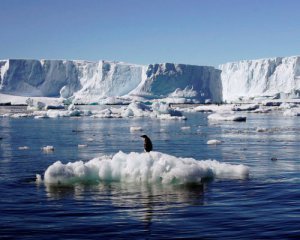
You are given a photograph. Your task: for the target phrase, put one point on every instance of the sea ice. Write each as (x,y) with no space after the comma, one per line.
(82,145)
(23,148)
(245,107)
(136,129)
(226,117)
(213,142)
(48,148)
(293,112)
(153,167)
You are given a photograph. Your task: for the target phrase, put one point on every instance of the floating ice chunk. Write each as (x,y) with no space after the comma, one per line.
(153,167)
(163,108)
(69,113)
(169,117)
(23,148)
(35,105)
(136,129)
(137,109)
(48,148)
(105,113)
(20,115)
(226,117)
(213,142)
(38,179)
(262,110)
(90,139)
(40,114)
(56,113)
(186,128)
(82,145)
(245,107)
(292,112)
(213,108)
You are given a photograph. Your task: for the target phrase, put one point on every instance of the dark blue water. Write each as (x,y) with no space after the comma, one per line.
(267,205)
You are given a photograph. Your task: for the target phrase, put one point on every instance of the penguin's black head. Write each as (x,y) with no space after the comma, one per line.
(144,136)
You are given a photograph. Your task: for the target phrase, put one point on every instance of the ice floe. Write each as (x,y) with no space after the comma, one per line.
(293,112)
(226,117)
(153,167)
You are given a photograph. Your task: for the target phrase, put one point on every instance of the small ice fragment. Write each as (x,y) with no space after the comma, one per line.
(213,142)
(23,148)
(48,149)
(82,145)
(185,128)
(38,178)
(135,129)
(90,139)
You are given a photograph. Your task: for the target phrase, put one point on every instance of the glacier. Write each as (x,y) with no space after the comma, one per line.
(263,78)
(87,82)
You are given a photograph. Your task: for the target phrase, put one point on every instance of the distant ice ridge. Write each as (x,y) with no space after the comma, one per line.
(153,167)
(273,77)
(88,82)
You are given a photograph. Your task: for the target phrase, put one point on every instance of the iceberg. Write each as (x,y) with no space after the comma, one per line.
(273,77)
(110,82)
(92,82)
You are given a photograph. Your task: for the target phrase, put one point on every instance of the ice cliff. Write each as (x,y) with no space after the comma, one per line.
(90,82)
(273,77)
(105,81)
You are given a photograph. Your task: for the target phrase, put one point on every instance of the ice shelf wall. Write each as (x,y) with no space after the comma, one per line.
(92,81)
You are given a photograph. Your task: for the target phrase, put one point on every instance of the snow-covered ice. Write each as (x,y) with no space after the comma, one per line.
(293,112)
(153,167)
(226,117)
(109,82)
(253,79)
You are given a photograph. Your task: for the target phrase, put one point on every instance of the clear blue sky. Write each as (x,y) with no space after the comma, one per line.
(201,32)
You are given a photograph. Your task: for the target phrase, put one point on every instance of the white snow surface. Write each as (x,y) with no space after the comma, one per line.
(272,77)
(153,167)
(87,82)
(226,116)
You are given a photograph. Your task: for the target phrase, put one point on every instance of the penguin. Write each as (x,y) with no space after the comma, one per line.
(147,143)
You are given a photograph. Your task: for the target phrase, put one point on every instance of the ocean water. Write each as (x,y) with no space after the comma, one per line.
(265,205)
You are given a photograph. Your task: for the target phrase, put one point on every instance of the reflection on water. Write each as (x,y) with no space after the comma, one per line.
(142,202)
(131,195)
